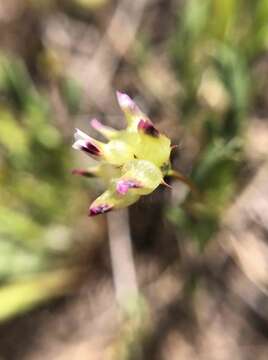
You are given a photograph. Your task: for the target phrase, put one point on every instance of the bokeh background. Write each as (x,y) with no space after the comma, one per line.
(199,69)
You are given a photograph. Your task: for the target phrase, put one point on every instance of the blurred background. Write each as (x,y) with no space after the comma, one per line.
(199,69)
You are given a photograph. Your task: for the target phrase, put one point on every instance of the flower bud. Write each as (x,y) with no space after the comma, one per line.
(109,200)
(123,186)
(131,110)
(87,144)
(144,173)
(148,128)
(99,209)
(133,162)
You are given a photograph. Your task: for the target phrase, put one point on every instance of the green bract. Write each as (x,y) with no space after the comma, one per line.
(133,162)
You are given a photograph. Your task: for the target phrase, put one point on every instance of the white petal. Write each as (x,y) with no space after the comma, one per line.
(96,124)
(79,144)
(125,101)
(80,135)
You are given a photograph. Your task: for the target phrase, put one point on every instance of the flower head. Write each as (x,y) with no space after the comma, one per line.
(133,162)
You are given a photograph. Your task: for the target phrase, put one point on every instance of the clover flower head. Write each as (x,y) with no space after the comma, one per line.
(133,162)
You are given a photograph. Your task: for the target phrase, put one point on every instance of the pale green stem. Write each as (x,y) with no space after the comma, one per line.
(123,266)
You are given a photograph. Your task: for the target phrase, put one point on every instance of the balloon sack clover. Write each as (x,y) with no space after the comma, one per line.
(134,161)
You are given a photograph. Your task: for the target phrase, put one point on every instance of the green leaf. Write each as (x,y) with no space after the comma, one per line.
(27,293)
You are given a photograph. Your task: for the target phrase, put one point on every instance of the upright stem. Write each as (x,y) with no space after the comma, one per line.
(124,273)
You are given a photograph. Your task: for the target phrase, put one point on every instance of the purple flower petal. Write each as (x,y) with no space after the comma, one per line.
(123,186)
(99,209)
(96,124)
(86,143)
(91,149)
(127,105)
(105,130)
(125,101)
(87,146)
(148,128)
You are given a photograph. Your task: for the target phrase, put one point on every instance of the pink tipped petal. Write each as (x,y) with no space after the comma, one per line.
(92,149)
(106,131)
(88,146)
(86,143)
(96,124)
(123,186)
(125,101)
(148,128)
(127,104)
(99,209)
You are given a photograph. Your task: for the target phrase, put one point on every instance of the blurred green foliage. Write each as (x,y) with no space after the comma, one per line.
(212,50)
(36,190)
